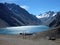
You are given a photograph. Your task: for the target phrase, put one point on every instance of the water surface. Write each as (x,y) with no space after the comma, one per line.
(23,29)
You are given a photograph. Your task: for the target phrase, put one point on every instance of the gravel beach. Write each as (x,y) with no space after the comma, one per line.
(17,40)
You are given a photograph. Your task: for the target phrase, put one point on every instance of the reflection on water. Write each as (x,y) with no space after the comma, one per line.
(23,29)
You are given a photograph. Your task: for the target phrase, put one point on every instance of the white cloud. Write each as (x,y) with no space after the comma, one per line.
(25,7)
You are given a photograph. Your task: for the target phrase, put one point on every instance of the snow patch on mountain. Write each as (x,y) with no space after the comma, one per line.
(54,14)
(43,16)
(46,15)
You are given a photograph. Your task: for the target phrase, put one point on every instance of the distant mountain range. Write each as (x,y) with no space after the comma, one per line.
(14,15)
(50,18)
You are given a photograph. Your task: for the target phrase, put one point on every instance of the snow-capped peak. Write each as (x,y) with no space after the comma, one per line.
(43,16)
(46,15)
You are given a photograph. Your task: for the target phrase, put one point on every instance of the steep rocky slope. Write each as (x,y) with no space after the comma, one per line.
(14,15)
(50,18)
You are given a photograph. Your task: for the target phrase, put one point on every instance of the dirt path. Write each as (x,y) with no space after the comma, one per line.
(9,40)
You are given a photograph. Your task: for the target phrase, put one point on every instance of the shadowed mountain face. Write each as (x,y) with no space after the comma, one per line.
(56,21)
(14,15)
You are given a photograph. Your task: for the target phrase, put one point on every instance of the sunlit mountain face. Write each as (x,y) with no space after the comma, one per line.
(50,18)
(47,14)
(14,15)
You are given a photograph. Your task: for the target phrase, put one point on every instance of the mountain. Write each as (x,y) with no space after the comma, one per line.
(50,18)
(56,20)
(14,15)
(46,16)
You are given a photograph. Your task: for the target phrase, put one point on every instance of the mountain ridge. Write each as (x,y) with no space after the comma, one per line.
(14,15)
(50,18)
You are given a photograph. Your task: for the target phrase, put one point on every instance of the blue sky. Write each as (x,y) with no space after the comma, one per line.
(37,6)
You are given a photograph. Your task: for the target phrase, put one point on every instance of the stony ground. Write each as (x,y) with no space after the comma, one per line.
(16,40)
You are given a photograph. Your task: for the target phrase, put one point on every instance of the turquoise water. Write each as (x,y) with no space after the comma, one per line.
(23,29)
